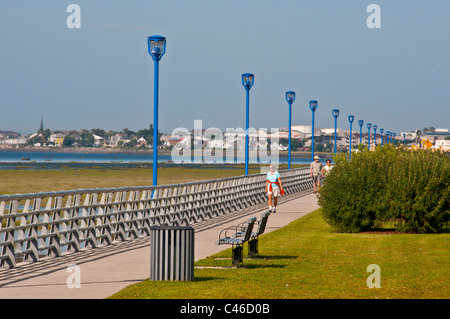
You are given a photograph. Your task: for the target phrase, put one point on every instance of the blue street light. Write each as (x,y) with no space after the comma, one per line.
(290,98)
(369,125)
(247,81)
(404,138)
(313,107)
(335,115)
(156,48)
(350,119)
(381,134)
(375,134)
(388,133)
(393,137)
(360,123)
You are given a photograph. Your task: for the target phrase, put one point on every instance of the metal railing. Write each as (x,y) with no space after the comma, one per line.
(33,226)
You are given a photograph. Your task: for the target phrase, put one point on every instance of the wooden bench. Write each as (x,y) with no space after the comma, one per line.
(236,241)
(253,242)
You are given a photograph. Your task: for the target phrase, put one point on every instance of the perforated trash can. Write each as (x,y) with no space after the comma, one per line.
(172,253)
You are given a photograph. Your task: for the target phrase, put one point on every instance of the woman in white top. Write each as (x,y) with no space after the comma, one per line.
(327,168)
(274,188)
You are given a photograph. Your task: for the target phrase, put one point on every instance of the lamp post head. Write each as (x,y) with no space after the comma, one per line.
(313,105)
(361,123)
(335,113)
(290,96)
(381,131)
(375,127)
(369,125)
(351,118)
(247,80)
(156,46)
(394,134)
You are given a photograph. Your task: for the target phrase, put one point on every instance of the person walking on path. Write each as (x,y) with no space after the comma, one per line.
(327,169)
(315,170)
(274,187)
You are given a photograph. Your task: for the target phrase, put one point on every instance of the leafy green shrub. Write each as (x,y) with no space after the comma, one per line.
(418,191)
(388,184)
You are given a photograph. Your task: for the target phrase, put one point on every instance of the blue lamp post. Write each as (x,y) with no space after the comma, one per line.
(290,98)
(387,137)
(375,134)
(369,125)
(248,80)
(381,134)
(404,138)
(360,123)
(335,115)
(393,137)
(351,118)
(313,107)
(156,48)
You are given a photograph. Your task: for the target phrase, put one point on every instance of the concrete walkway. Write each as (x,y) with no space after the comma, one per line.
(106,270)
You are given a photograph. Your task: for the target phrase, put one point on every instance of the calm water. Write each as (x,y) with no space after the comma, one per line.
(57,160)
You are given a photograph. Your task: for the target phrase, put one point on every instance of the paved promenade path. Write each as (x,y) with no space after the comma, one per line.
(106,270)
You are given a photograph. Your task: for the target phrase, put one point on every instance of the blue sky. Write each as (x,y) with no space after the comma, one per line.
(101,75)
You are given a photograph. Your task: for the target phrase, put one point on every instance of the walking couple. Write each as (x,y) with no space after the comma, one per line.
(318,172)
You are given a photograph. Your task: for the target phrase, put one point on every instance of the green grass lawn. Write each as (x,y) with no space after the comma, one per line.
(308,259)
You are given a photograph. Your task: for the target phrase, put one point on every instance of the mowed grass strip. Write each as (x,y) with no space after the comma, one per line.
(308,259)
(34,181)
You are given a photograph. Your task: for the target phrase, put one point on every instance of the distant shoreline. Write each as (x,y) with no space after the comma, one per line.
(93,150)
(85,150)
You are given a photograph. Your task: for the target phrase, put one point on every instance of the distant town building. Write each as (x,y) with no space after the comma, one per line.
(19,140)
(141,142)
(57,139)
(8,134)
(443,145)
(441,131)
(98,141)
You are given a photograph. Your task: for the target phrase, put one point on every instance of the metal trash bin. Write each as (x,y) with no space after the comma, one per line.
(172,253)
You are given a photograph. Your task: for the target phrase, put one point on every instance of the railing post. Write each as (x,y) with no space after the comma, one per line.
(54,240)
(8,255)
(33,247)
(45,220)
(145,212)
(120,218)
(74,237)
(131,216)
(20,237)
(87,222)
(104,219)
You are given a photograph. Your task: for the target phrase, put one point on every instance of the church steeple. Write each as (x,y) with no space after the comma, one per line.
(41,128)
